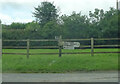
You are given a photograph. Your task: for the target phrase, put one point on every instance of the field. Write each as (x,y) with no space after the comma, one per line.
(55,64)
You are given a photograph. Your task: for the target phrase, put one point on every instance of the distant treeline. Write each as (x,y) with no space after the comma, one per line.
(98,24)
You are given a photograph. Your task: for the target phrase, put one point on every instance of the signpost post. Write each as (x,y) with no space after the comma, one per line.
(60,44)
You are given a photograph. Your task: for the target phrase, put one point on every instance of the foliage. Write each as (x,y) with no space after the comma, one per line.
(104,24)
(75,26)
(45,12)
(33,30)
(17,25)
(51,29)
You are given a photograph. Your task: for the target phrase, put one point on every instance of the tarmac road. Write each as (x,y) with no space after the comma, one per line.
(102,76)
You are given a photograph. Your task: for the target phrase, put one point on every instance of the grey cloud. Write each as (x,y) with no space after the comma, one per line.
(24,8)
(13,5)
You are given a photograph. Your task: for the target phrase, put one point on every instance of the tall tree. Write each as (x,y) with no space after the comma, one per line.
(45,12)
(95,19)
(104,24)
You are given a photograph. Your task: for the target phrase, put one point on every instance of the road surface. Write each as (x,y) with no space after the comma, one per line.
(103,76)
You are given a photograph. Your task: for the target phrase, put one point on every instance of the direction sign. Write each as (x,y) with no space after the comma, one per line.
(76,44)
(70,45)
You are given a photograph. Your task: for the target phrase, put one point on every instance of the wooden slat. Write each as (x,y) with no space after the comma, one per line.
(87,52)
(43,53)
(30,47)
(15,53)
(44,47)
(106,38)
(68,39)
(37,47)
(83,46)
(14,40)
(106,52)
(106,45)
(58,53)
(45,40)
(76,52)
(75,39)
(14,47)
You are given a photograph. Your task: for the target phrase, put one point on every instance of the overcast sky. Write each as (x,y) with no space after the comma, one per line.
(21,10)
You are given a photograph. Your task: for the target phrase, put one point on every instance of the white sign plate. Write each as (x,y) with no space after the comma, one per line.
(76,44)
(70,45)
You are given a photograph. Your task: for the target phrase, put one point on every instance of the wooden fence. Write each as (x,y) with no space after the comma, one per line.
(92,46)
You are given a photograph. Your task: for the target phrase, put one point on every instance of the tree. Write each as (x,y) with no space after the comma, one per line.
(75,26)
(33,30)
(32,26)
(17,26)
(45,12)
(110,23)
(51,29)
(95,19)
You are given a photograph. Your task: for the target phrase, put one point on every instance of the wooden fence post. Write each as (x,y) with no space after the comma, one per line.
(0,40)
(28,45)
(92,47)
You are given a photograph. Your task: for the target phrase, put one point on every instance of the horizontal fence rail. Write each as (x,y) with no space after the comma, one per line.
(106,45)
(92,46)
(75,39)
(68,39)
(58,53)
(37,47)
(14,40)
(106,38)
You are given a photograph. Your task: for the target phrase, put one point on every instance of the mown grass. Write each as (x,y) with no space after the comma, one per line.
(55,64)
(56,50)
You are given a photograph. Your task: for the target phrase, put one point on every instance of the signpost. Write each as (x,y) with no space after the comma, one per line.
(60,44)
(65,45)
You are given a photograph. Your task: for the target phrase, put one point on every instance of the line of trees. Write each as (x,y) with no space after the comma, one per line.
(48,24)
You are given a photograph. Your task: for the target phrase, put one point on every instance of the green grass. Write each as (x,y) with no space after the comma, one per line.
(55,50)
(54,64)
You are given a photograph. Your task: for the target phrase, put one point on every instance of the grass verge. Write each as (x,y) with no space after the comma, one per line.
(55,64)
